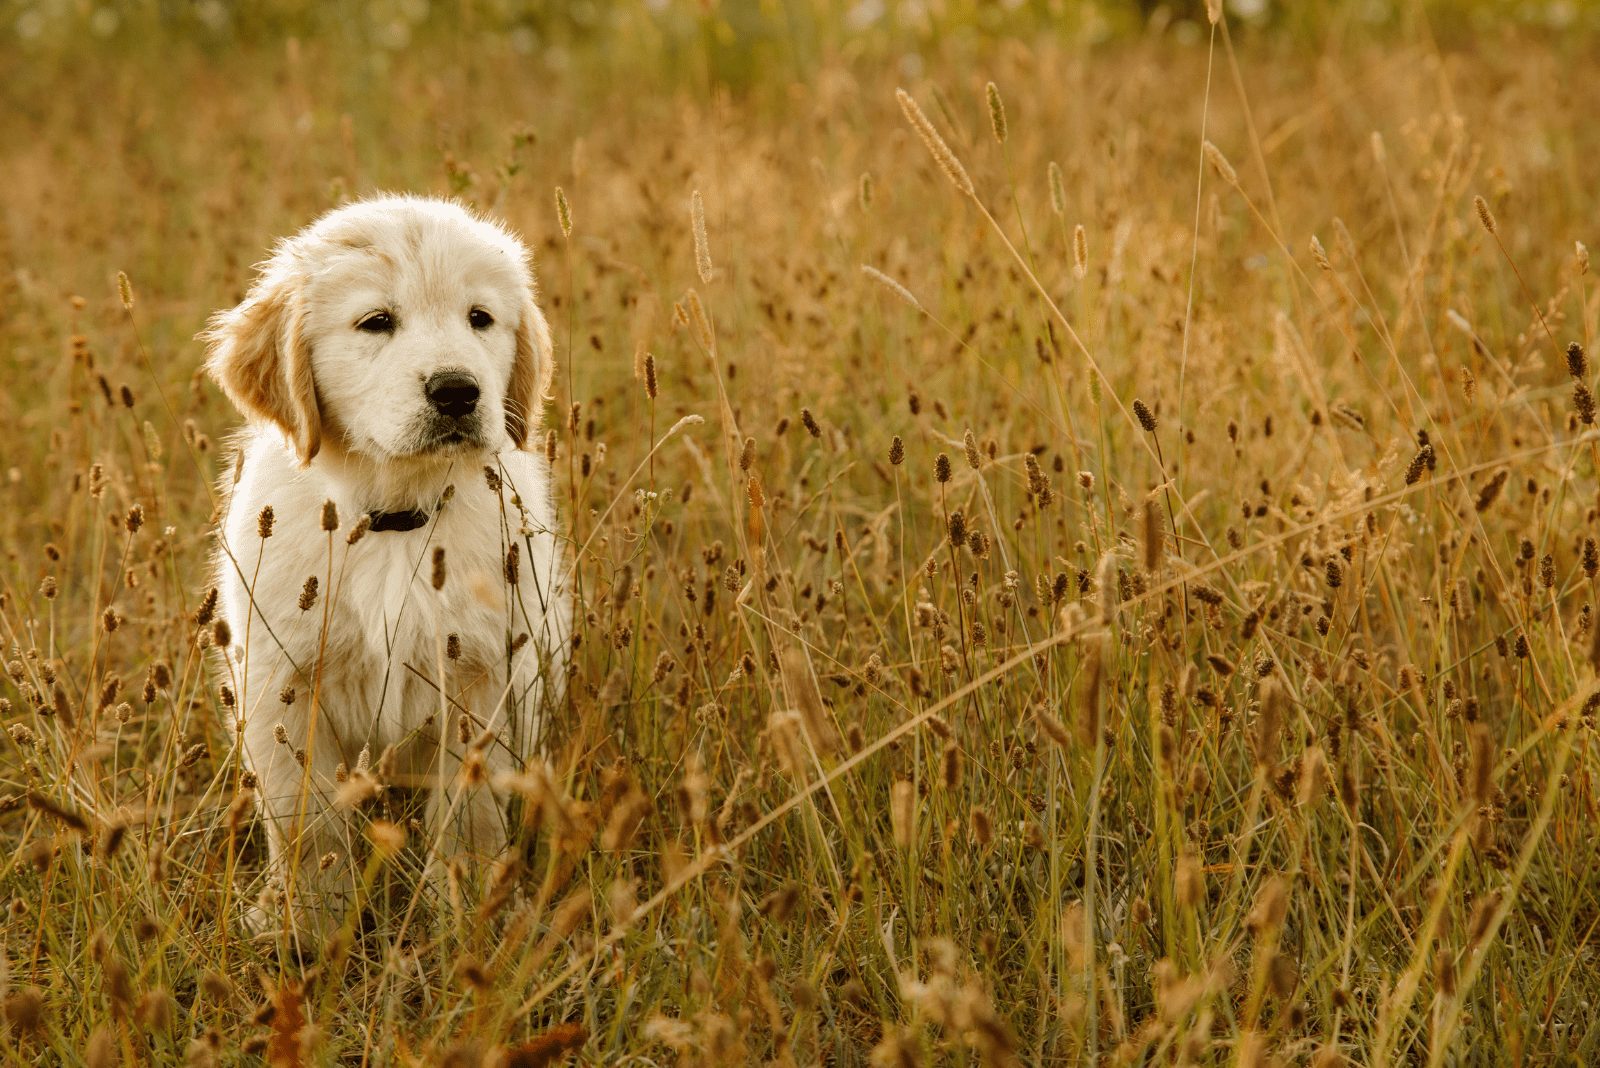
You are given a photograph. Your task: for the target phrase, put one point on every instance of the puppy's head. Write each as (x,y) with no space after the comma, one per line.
(399,327)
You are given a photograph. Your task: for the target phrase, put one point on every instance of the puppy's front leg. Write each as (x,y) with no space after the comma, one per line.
(308,834)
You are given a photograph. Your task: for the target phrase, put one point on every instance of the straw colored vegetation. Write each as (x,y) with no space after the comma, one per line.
(1090,556)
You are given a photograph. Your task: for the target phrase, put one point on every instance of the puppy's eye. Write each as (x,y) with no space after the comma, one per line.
(480,319)
(377,322)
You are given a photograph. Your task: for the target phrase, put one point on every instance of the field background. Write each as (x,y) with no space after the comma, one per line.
(839,779)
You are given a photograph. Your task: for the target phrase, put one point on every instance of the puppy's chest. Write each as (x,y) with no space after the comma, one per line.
(420,593)
(389,600)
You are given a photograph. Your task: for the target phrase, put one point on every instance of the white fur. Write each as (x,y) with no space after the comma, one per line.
(379,628)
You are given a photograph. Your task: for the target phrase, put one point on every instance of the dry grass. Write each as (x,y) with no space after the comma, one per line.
(1143,608)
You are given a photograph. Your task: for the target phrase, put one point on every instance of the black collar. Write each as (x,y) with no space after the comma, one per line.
(401,521)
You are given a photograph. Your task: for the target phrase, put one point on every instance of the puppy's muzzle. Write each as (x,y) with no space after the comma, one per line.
(453,394)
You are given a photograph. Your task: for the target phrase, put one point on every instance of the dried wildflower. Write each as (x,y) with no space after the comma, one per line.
(1420,463)
(308,593)
(1583,403)
(997,112)
(1320,254)
(936,146)
(941,468)
(897,451)
(135,519)
(330,516)
(1577,361)
(563,213)
(958,528)
(1058,194)
(969,444)
(1580,256)
(1491,490)
(1146,417)
(264,521)
(902,813)
(1269,723)
(702,247)
(208,608)
(893,286)
(650,384)
(362,525)
(125,290)
(1220,163)
(1272,905)
(513,567)
(809,421)
(1153,536)
(438,567)
(1591,558)
(221,634)
(1080,252)
(1485,216)
(704,332)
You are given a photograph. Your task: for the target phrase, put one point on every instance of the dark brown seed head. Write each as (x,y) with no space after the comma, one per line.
(650,375)
(810,423)
(264,521)
(1418,465)
(308,593)
(941,468)
(1583,403)
(330,516)
(1147,418)
(1577,361)
(208,608)
(958,529)
(1591,558)
(970,444)
(438,567)
(1491,491)
(897,451)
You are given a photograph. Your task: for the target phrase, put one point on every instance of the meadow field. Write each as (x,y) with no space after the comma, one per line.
(1083,523)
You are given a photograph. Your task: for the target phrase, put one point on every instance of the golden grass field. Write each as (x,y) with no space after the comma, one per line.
(1148,617)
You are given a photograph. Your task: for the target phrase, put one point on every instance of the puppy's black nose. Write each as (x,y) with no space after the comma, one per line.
(452,393)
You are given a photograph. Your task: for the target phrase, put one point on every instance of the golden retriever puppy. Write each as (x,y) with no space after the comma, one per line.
(389,565)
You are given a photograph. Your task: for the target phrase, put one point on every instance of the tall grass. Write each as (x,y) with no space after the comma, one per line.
(1118,585)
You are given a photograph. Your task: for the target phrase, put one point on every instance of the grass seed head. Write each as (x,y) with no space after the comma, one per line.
(563,213)
(997,112)
(702,247)
(1220,164)
(1058,193)
(1147,418)
(936,146)
(1485,216)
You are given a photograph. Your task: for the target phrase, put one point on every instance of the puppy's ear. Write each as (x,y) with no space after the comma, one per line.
(259,354)
(531,371)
